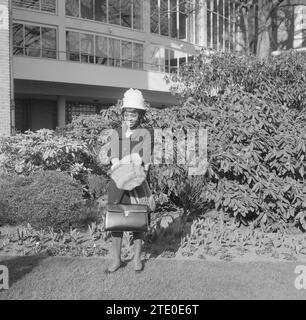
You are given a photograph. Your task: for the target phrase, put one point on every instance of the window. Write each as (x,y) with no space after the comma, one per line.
(73,45)
(40,5)
(34,41)
(114,12)
(126,54)
(221,25)
(87,48)
(137,14)
(100,10)
(173,18)
(101,50)
(169,18)
(126,13)
(18,39)
(90,48)
(48,37)
(154,16)
(87,9)
(167,60)
(164,18)
(114,53)
(137,56)
(155,58)
(72,8)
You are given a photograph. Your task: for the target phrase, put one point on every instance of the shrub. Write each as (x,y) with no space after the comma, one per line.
(43,199)
(257,137)
(255,115)
(48,150)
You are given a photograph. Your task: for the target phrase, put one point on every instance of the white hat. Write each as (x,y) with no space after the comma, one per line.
(133,99)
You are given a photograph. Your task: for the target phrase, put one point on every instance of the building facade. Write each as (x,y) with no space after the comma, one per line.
(65,57)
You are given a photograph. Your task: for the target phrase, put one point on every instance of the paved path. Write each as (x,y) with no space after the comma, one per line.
(80,278)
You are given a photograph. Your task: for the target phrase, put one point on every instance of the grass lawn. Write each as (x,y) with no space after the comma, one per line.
(83,278)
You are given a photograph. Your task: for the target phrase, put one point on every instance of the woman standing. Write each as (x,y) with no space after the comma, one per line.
(128,141)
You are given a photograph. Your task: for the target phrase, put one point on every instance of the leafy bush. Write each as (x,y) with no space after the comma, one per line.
(280,80)
(43,199)
(48,150)
(257,136)
(255,115)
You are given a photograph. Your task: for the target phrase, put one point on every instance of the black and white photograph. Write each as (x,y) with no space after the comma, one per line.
(152,153)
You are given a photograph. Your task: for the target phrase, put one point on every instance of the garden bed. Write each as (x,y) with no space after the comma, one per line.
(170,237)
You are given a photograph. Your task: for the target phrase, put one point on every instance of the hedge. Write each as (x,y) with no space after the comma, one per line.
(44,199)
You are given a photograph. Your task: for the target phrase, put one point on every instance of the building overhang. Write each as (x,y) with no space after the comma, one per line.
(57,71)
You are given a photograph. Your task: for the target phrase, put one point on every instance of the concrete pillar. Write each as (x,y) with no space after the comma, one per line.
(147,30)
(61,30)
(61,111)
(5,67)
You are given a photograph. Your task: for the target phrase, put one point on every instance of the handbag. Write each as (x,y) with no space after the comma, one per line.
(126,217)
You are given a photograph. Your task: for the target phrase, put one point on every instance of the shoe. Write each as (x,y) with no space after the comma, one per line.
(139,270)
(107,271)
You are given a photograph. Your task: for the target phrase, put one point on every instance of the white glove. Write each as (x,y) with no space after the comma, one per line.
(115,163)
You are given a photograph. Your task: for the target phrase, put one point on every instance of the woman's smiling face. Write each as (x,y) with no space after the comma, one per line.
(131,117)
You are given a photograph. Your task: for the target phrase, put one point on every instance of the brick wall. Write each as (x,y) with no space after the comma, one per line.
(5,83)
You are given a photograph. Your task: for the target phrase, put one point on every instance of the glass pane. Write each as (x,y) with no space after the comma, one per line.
(209,36)
(48,5)
(226,35)
(72,8)
(221,26)
(101,50)
(215,31)
(73,45)
(167,61)
(220,9)
(154,16)
(173,18)
(32,40)
(48,36)
(18,44)
(154,59)
(164,18)
(137,14)
(126,54)
(30,4)
(87,9)
(87,48)
(100,10)
(114,52)
(173,61)
(182,21)
(114,11)
(137,56)
(163,55)
(232,37)
(215,6)
(126,13)
(226,12)
(181,58)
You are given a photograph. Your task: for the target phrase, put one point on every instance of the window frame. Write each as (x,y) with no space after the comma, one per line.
(132,27)
(38,10)
(41,49)
(96,35)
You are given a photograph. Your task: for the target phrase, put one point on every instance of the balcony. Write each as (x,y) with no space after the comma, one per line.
(89,70)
